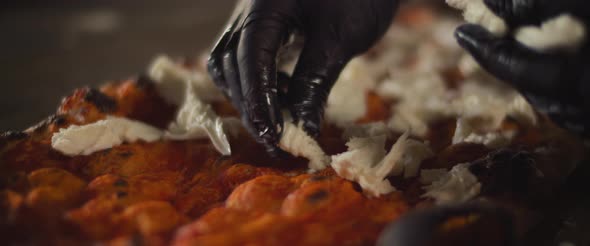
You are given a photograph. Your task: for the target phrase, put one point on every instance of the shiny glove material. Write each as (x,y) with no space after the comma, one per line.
(244,61)
(493,225)
(555,83)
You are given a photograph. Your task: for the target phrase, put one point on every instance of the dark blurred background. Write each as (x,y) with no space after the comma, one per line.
(49,48)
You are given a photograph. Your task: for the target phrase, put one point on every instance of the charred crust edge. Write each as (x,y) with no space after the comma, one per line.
(13,135)
(104,103)
(10,136)
(58,120)
(144,81)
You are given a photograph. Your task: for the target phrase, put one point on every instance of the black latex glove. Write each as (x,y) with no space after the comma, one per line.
(493,226)
(555,83)
(244,62)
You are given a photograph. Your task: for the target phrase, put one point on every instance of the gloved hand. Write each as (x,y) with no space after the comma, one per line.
(422,227)
(555,83)
(244,61)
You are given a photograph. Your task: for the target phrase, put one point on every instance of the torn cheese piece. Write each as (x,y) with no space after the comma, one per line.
(367,163)
(195,120)
(429,176)
(456,186)
(476,12)
(171,81)
(101,135)
(416,152)
(469,131)
(191,91)
(347,101)
(298,143)
(522,111)
(405,157)
(358,165)
(366,130)
(423,97)
(563,32)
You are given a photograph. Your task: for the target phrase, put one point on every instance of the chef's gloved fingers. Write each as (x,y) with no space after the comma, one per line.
(215,61)
(262,36)
(515,12)
(319,66)
(283,80)
(507,59)
(479,224)
(231,75)
(534,12)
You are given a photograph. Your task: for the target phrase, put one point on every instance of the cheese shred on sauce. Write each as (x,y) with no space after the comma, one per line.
(102,135)
(194,120)
(367,163)
(456,186)
(298,143)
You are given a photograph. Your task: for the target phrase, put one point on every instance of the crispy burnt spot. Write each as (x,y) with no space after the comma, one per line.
(121,194)
(506,172)
(318,196)
(103,103)
(10,136)
(121,183)
(318,178)
(144,81)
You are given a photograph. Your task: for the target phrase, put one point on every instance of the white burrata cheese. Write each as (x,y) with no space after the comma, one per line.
(366,130)
(358,164)
(190,90)
(171,81)
(470,131)
(298,143)
(456,186)
(563,32)
(195,120)
(101,135)
(429,176)
(423,98)
(367,163)
(347,101)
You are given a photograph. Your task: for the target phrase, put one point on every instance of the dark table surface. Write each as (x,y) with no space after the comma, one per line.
(49,49)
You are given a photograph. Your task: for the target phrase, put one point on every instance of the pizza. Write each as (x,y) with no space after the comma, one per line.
(419,146)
